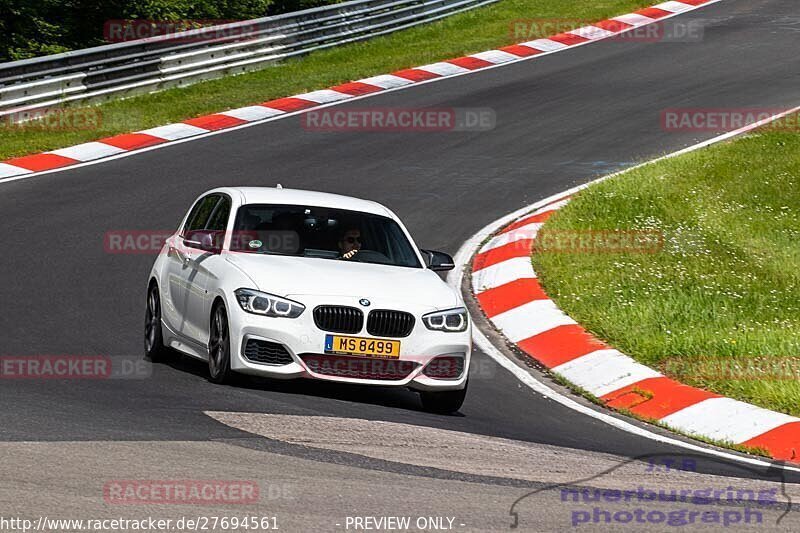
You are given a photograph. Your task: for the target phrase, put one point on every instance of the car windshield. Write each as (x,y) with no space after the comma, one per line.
(323,233)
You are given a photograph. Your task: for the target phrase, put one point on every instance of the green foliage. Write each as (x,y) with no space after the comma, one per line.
(286,6)
(461,34)
(25,32)
(717,305)
(30,28)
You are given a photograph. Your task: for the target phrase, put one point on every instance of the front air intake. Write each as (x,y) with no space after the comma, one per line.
(266,353)
(445,367)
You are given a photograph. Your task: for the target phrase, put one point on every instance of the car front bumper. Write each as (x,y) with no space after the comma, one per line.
(305,343)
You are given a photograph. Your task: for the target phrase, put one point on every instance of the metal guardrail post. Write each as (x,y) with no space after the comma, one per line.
(155,63)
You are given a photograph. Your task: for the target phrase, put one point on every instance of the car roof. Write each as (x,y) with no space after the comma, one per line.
(280,196)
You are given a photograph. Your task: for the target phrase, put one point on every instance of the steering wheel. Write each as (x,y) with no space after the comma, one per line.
(369,256)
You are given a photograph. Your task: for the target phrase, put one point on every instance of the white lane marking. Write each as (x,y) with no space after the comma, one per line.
(495,56)
(555,206)
(175,131)
(323,96)
(726,419)
(604,371)
(674,7)
(592,32)
(7,170)
(162,146)
(545,45)
(444,69)
(252,112)
(530,319)
(527,232)
(502,273)
(634,19)
(467,250)
(386,81)
(486,346)
(88,151)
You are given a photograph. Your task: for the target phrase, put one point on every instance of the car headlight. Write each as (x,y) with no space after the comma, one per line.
(451,320)
(261,303)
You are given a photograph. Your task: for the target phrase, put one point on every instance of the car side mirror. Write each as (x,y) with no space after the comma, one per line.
(438,261)
(206,240)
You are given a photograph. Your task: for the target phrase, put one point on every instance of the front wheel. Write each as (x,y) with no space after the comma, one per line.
(444,402)
(219,347)
(154,348)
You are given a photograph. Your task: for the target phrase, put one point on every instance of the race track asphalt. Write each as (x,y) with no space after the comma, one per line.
(561,120)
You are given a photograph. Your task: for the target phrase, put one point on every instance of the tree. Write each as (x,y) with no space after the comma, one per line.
(31,28)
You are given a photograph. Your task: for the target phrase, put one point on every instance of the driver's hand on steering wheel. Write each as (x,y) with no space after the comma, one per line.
(350,254)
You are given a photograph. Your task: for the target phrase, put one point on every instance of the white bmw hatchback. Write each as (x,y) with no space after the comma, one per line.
(289,284)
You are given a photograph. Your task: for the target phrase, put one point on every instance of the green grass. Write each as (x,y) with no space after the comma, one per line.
(718,306)
(466,33)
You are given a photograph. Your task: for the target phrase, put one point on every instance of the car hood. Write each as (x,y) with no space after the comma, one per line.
(288,276)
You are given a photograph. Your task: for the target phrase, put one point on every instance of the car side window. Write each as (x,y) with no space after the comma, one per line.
(219,218)
(200,214)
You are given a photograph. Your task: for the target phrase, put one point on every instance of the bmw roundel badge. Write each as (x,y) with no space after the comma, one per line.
(364,302)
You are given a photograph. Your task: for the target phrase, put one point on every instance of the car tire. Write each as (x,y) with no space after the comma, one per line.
(219,347)
(154,348)
(444,402)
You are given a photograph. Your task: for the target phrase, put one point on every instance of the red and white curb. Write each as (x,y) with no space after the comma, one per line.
(118,145)
(509,293)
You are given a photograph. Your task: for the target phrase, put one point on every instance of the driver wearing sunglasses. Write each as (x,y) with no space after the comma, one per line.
(350,243)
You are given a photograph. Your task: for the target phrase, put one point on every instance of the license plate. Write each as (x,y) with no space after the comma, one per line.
(338,344)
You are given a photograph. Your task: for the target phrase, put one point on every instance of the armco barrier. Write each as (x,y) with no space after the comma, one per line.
(179,59)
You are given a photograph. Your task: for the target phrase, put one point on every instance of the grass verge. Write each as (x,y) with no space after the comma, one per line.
(465,33)
(718,305)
